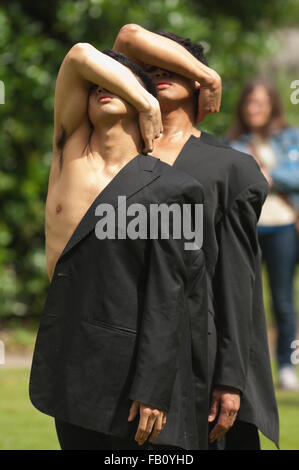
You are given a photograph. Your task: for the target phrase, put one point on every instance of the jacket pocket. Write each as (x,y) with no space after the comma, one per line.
(101,368)
(113,328)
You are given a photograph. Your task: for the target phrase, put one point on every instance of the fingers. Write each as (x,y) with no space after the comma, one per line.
(214,408)
(139,436)
(156,118)
(150,123)
(151,421)
(159,425)
(148,145)
(133,411)
(209,102)
(225,422)
(147,132)
(146,422)
(217,433)
(229,404)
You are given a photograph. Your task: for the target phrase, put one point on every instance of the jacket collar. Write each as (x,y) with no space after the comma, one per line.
(136,174)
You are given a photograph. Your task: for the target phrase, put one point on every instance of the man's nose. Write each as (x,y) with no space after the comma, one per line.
(161,73)
(101,90)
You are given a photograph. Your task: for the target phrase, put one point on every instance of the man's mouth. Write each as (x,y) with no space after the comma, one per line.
(104,98)
(162,85)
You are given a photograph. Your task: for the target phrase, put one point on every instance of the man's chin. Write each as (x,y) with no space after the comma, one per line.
(167,101)
(110,117)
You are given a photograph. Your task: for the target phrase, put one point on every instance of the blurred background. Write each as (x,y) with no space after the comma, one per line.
(241,40)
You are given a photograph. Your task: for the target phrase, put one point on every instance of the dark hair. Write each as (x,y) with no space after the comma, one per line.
(195,49)
(277,119)
(144,77)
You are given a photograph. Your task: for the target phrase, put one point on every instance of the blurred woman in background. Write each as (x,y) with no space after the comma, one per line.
(261,129)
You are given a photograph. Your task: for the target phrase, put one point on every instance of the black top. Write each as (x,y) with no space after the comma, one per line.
(235,190)
(122,318)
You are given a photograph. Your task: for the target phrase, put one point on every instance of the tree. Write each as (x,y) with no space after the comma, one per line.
(34,37)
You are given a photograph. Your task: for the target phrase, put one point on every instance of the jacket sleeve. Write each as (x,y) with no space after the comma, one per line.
(234,284)
(160,332)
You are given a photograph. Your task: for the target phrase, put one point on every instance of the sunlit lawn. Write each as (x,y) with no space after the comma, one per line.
(22,427)
(288,403)
(288,406)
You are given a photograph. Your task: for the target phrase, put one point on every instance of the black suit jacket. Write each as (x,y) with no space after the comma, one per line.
(127,320)
(235,191)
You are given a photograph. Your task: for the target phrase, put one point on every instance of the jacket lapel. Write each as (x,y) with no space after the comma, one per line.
(135,175)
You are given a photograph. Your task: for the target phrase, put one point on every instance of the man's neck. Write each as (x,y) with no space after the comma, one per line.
(116,144)
(178,124)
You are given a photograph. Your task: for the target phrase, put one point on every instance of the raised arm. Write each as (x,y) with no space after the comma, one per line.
(143,46)
(83,66)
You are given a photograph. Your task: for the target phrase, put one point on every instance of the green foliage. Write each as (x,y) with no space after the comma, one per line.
(34,37)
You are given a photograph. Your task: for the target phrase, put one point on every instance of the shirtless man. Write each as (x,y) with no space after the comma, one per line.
(113,342)
(86,159)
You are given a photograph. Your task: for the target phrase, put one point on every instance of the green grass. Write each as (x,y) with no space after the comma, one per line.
(288,405)
(22,427)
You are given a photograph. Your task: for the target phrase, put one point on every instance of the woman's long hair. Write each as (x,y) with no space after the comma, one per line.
(277,120)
